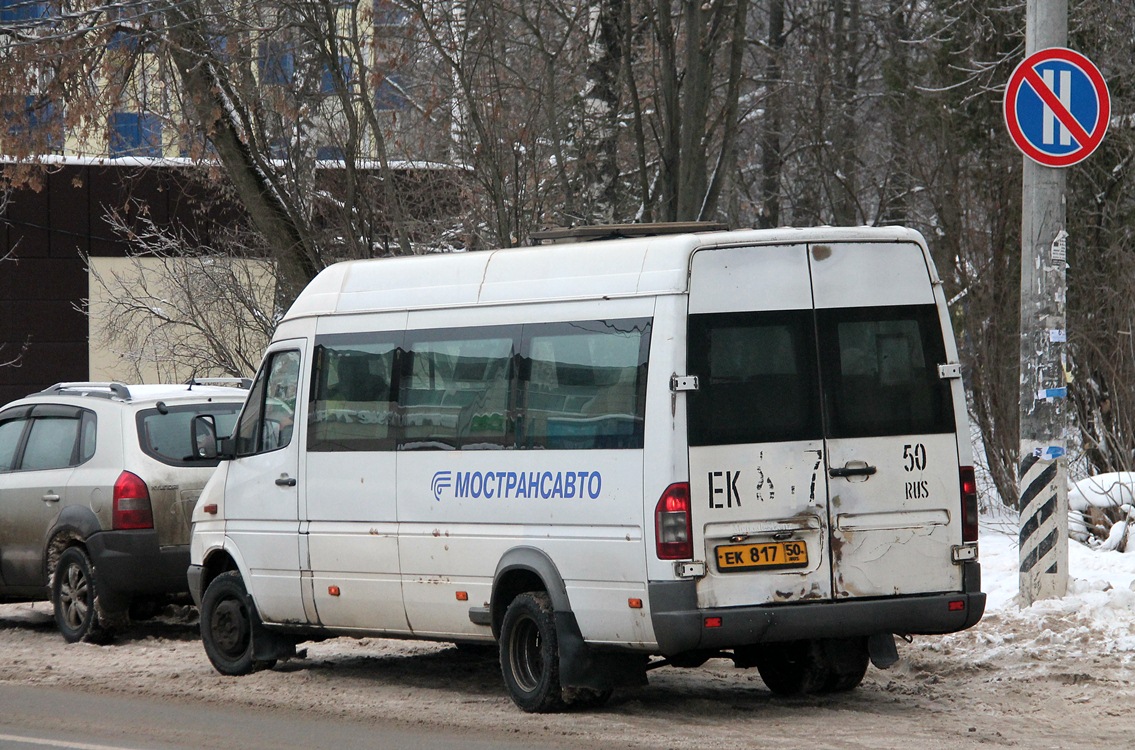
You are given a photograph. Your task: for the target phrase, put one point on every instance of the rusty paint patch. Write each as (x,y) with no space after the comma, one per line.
(838,543)
(821,252)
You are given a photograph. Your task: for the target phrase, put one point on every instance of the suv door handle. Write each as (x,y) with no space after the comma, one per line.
(51,497)
(853,469)
(285,481)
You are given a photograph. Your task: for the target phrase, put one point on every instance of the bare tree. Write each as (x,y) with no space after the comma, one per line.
(178,307)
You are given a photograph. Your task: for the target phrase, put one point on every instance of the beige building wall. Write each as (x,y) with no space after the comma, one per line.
(144,346)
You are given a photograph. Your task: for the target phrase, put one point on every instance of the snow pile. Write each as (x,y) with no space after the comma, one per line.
(1101,510)
(1095,620)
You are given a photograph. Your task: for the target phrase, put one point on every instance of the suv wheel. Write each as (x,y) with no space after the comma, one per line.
(73,596)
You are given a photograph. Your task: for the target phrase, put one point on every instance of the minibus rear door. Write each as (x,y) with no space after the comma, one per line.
(758,493)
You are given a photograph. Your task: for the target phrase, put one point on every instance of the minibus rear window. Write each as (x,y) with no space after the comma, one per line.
(880,371)
(757,378)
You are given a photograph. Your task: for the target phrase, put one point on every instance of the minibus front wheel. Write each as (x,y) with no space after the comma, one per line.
(229,625)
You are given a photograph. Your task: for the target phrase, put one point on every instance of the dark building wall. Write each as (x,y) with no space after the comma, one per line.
(49,231)
(43,285)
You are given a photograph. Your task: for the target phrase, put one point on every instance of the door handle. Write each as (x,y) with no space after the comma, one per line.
(51,497)
(853,469)
(285,481)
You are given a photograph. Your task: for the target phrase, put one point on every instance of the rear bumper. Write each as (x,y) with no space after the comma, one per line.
(679,625)
(132,563)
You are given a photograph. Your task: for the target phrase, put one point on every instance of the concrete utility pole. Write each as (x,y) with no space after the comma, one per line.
(1042,479)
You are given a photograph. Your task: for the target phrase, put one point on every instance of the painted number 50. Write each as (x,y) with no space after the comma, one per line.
(915,456)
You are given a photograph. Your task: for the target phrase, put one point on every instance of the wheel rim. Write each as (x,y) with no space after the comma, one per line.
(524,655)
(74,593)
(230,627)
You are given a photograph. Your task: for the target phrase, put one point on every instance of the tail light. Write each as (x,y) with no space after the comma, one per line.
(969,503)
(672,525)
(132,503)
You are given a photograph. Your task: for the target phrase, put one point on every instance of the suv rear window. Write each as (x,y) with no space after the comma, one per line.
(164,432)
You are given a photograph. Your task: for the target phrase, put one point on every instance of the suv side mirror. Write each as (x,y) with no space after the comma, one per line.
(206,444)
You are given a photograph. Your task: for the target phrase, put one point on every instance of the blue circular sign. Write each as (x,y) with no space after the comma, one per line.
(1057,107)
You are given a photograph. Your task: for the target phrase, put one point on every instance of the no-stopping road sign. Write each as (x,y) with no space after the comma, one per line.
(1057,107)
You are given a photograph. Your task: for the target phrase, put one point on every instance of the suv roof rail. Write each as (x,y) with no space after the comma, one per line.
(104,390)
(619,231)
(244,383)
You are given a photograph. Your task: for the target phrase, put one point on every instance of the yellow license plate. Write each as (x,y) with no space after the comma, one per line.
(763,556)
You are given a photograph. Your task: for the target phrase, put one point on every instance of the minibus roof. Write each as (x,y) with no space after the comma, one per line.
(640,266)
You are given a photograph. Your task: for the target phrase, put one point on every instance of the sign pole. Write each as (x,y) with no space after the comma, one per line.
(1042,479)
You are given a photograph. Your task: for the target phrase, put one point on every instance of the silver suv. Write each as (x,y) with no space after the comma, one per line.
(97,485)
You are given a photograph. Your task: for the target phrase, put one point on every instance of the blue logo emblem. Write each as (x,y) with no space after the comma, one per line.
(442,481)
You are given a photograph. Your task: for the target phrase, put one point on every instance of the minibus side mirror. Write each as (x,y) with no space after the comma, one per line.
(206,444)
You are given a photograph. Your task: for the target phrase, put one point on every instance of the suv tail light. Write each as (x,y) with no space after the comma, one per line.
(132,503)
(672,525)
(969,503)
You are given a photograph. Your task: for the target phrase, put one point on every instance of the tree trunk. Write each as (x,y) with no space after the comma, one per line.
(599,150)
(772,158)
(225,122)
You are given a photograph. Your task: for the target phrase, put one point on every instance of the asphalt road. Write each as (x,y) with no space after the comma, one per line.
(37,717)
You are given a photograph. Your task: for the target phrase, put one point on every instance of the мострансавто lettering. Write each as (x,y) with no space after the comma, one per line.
(508,485)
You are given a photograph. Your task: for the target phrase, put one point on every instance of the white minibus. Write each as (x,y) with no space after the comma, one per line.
(650,447)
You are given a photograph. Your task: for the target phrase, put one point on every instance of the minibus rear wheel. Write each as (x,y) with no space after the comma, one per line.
(794,667)
(847,663)
(529,653)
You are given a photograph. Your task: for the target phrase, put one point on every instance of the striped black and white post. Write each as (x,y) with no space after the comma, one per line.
(1044,524)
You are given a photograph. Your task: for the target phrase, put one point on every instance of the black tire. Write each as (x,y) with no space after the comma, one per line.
(145,609)
(228,624)
(477,650)
(847,663)
(794,668)
(584,698)
(74,592)
(529,653)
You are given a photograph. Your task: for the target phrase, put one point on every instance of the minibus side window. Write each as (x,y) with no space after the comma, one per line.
(880,371)
(757,378)
(584,384)
(354,393)
(266,423)
(456,389)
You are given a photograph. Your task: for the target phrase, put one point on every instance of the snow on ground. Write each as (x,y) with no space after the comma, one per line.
(1096,618)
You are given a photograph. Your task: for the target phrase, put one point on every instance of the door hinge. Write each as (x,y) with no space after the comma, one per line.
(949,371)
(695,569)
(680,383)
(964,552)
